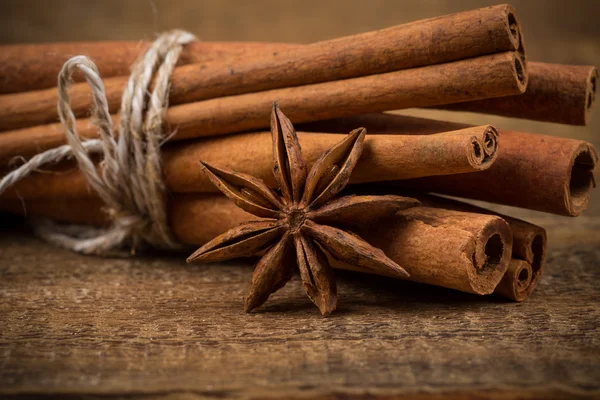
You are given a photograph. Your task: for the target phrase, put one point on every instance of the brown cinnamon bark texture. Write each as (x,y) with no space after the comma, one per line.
(462,251)
(555,93)
(543,173)
(28,67)
(538,172)
(385,157)
(528,263)
(482,77)
(528,249)
(516,284)
(405,46)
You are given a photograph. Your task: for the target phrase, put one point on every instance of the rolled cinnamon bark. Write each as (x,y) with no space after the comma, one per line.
(528,248)
(530,243)
(543,173)
(494,75)
(28,67)
(462,251)
(528,263)
(516,284)
(385,157)
(555,93)
(432,41)
(538,172)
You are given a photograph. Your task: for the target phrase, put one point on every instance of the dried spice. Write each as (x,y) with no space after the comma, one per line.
(298,218)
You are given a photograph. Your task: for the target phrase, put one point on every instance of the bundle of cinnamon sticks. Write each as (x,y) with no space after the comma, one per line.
(220,99)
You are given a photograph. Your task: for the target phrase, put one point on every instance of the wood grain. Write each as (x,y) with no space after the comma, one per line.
(155,328)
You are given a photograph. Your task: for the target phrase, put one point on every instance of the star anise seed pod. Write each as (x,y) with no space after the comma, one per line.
(299,220)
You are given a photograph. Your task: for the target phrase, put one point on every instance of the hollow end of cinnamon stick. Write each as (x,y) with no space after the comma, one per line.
(520,71)
(478,154)
(591,85)
(516,284)
(490,141)
(523,276)
(484,148)
(582,178)
(513,26)
(493,250)
(529,259)
(538,252)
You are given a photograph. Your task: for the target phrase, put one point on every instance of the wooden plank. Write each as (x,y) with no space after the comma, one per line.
(153,327)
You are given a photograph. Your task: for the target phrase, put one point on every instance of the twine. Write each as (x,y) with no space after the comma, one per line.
(131,184)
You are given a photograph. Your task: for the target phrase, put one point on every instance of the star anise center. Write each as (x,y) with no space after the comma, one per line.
(295,220)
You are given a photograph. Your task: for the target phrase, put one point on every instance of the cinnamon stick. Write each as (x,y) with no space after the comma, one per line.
(555,93)
(493,75)
(543,173)
(462,251)
(538,172)
(516,284)
(28,67)
(528,249)
(385,157)
(529,255)
(193,84)
(420,43)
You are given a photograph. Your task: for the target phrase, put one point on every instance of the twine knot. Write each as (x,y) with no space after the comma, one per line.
(130,183)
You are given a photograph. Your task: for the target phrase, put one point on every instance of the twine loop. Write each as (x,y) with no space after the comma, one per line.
(130,183)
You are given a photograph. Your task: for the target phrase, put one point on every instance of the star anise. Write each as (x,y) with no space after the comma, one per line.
(299,217)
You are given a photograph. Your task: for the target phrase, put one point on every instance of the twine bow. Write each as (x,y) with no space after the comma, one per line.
(130,183)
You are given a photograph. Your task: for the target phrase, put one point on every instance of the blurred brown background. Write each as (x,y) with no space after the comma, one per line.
(554,30)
